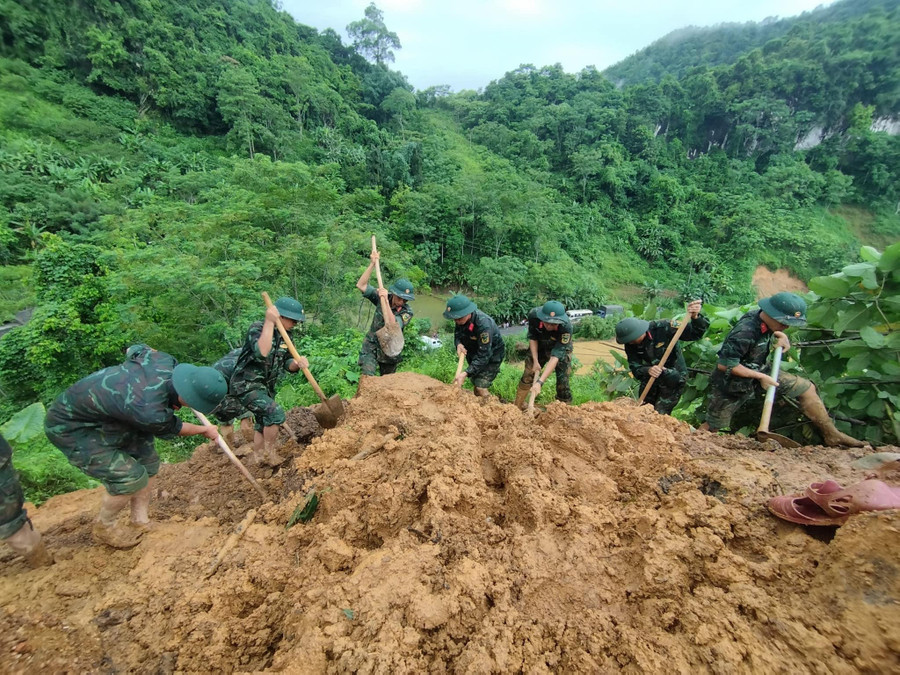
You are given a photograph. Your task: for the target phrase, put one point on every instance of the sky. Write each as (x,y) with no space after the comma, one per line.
(468,43)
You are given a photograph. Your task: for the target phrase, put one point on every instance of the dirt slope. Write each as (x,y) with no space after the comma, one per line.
(596,538)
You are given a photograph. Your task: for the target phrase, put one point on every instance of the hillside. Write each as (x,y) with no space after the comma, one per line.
(474,538)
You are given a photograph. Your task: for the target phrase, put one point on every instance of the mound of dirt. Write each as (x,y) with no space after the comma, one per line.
(456,534)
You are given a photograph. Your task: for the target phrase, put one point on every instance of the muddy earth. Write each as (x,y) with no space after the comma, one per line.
(458,535)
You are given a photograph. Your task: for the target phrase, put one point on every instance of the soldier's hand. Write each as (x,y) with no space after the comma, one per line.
(382,293)
(656,371)
(694,308)
(460,350)
(536,388)
(272,314)
(303,363)
(766,381)
(459,379)
(211,431)
(374,256)
(537,369)
(782,340)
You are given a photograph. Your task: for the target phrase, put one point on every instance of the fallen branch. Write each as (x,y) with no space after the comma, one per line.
(231,542)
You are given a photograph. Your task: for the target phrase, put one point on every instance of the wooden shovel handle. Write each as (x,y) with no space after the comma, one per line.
(770,393)
(666,354)
(293,350)
(234,460)
(385,308)
(459,366)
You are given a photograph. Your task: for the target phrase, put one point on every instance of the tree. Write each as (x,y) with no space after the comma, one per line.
(371,38)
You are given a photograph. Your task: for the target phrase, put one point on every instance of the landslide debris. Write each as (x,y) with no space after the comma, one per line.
(471,538)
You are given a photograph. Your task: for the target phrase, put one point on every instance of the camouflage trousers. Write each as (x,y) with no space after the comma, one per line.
(258,403)
(665,392)
(563,371)
(484,378)
(729,393)
(371,358)
(12,515)
(118,456)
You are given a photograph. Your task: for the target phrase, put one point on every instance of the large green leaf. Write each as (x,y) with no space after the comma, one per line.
(869,254)
(872,337)
(890,259)
(865,272)
(829,287)
(854,317)
(25,424)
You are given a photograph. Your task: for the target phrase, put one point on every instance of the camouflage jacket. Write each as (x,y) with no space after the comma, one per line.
(482,340)
(404,314)
(138,393)
(228,363)
(253,370)
(559,341)
(747,344)
(650,351)
(5,453)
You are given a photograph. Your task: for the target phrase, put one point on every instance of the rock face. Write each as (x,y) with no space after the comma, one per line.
(472,539)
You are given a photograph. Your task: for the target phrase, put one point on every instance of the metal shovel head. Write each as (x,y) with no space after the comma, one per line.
(328,412)
(783,441)
(390,337)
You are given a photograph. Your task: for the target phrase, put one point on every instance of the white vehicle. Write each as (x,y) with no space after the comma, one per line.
(431,342)
(576,315)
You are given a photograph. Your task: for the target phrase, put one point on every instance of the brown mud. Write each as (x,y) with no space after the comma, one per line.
(471,538)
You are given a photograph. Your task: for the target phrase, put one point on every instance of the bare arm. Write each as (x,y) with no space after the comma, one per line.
(743,371)
(264,344)
(187,429)
(366,275)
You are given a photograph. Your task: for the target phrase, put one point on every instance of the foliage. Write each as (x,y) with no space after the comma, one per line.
(597,328)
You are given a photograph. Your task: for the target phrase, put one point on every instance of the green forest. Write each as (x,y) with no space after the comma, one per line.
(162,163)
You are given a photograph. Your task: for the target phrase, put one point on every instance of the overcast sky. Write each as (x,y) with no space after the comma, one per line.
(468,43)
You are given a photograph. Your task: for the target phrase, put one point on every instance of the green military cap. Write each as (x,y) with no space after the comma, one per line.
(402,288)
(458,306)
(552,312)
(630,329)
(786,308)
(290,308)
(202,388)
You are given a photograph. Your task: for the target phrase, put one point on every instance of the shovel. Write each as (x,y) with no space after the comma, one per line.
(332,409)
(762,432)
(665,356)
(459,366)
(234,460)
(390,336)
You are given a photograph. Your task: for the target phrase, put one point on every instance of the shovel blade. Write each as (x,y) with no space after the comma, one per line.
(783,441)
(391,339)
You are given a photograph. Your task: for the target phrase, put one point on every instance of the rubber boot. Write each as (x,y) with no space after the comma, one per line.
(522,397)
(814,409)
(27,542)
(140,508)
(106,531)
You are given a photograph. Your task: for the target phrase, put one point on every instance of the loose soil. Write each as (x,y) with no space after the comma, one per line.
(473,539)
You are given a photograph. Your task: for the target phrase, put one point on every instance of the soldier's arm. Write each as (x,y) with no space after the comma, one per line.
(211,431)
(695,329)
(482,356)
(363,282)
(638,368)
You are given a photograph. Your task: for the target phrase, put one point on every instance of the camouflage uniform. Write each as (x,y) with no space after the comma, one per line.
(105,423)
(484,348)
(556,343)
(669,386)
(231,407)
(12,515)
(253,378)
(748,344)
(371,356)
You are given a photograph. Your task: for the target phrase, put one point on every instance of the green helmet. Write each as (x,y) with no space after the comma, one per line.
(290,308)
(202,388)
(786,308)
(458,306)
(552,312)
(402,288)
(630,329)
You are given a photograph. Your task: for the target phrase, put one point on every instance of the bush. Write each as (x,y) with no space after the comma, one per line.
(596,328)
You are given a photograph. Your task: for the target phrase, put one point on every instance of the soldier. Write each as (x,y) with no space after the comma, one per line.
(477,337)
(645,343)
(739,373)
(105,425)
(261,361)
(230,408)
(398,294)
(549,345)
(16,528)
